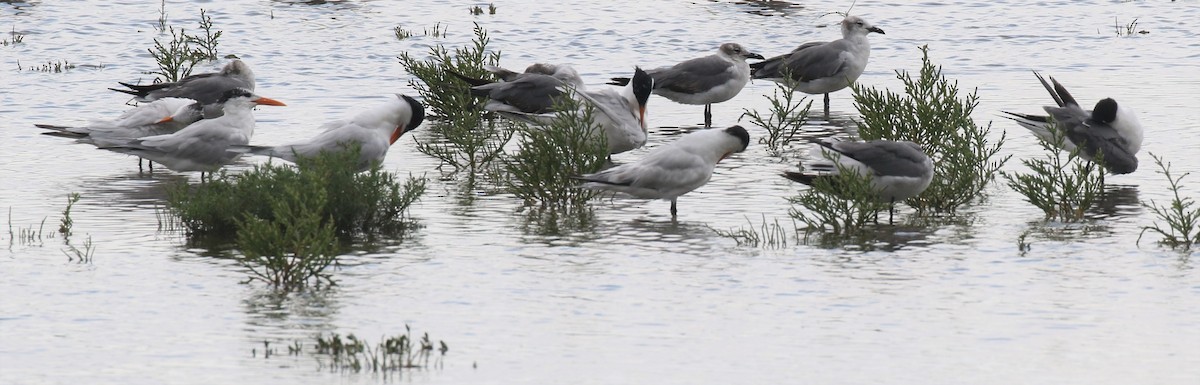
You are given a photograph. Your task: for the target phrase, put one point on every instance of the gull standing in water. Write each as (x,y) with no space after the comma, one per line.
(162,116)
(898,170)
(373,130)
(620,115)
(206,88)
(1107,130)
(202,146)
(822,67)
(672,169)
(706,80)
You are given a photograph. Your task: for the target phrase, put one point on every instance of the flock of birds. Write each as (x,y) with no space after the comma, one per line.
(205,121)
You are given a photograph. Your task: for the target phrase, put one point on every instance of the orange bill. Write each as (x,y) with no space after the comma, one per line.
(269,102)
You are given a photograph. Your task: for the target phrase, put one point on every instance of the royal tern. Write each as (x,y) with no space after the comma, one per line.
(898,170)
(620,115)
(672,169)
(530,92)
(202,146)
(163,116)
(373,130)
(822,67)
(706,80)
(1106,130)
(206,88)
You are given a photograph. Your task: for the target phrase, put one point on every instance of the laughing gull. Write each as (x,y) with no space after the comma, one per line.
(530,92)
(898,170)
(373,130)
(1108,131)
(706,80)
(202,146)
(673,169)
(823,67)
(206,88)
(620,115)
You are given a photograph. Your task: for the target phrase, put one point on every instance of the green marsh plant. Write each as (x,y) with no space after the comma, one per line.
(401,33)
(1180,227)
(64,227)
(77,255)
(466,141)
(177,57)
(931,112)
(571,145)
(206,45)
(1063,186)
(369,203)
(396,353)
(14,38)
(292,249)
(787,115)
(767,234)
(838,204)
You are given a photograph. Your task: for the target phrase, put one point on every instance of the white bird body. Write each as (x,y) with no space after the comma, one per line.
(373,130)
(898,170)
(621,116)
(706,80)
(1109,129)
(163,116)
(823,67)
(202,146)
(673,169)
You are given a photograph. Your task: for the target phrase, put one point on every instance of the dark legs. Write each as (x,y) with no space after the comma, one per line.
(708,115)
(673,210)
(826,106)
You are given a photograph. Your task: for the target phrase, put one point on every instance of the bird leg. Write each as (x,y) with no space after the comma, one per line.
(826,106)
(673,210)
(139,165)
(708,115)
(891,211)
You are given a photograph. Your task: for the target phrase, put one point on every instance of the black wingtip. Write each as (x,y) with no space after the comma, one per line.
(799,177)
(469,80)
(619,82)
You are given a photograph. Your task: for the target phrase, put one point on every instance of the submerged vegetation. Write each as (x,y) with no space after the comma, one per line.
(401,352)
(287,220)
(786,117)
(14,38)
(1063,187)
(1180,227)
(177,57)
(933,114)
(542,169)
(838,204)
(470,142)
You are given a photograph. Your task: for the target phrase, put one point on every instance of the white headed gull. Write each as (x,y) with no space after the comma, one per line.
(672,169)
(373,130)
(620,115)
(898,170)
(823,67)
(1106,129)
(202,146)
(705,80)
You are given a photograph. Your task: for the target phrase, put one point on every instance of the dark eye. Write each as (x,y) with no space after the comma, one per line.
(860,24)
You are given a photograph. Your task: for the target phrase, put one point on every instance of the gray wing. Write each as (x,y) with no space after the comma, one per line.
(531,93)
(809,61)
(204,88)
(1098,139)
(886,157)
(693,76)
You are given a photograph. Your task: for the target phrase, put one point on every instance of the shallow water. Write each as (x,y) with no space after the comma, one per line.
(630,297)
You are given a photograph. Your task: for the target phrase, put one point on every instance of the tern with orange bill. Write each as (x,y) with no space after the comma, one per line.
(373,131)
